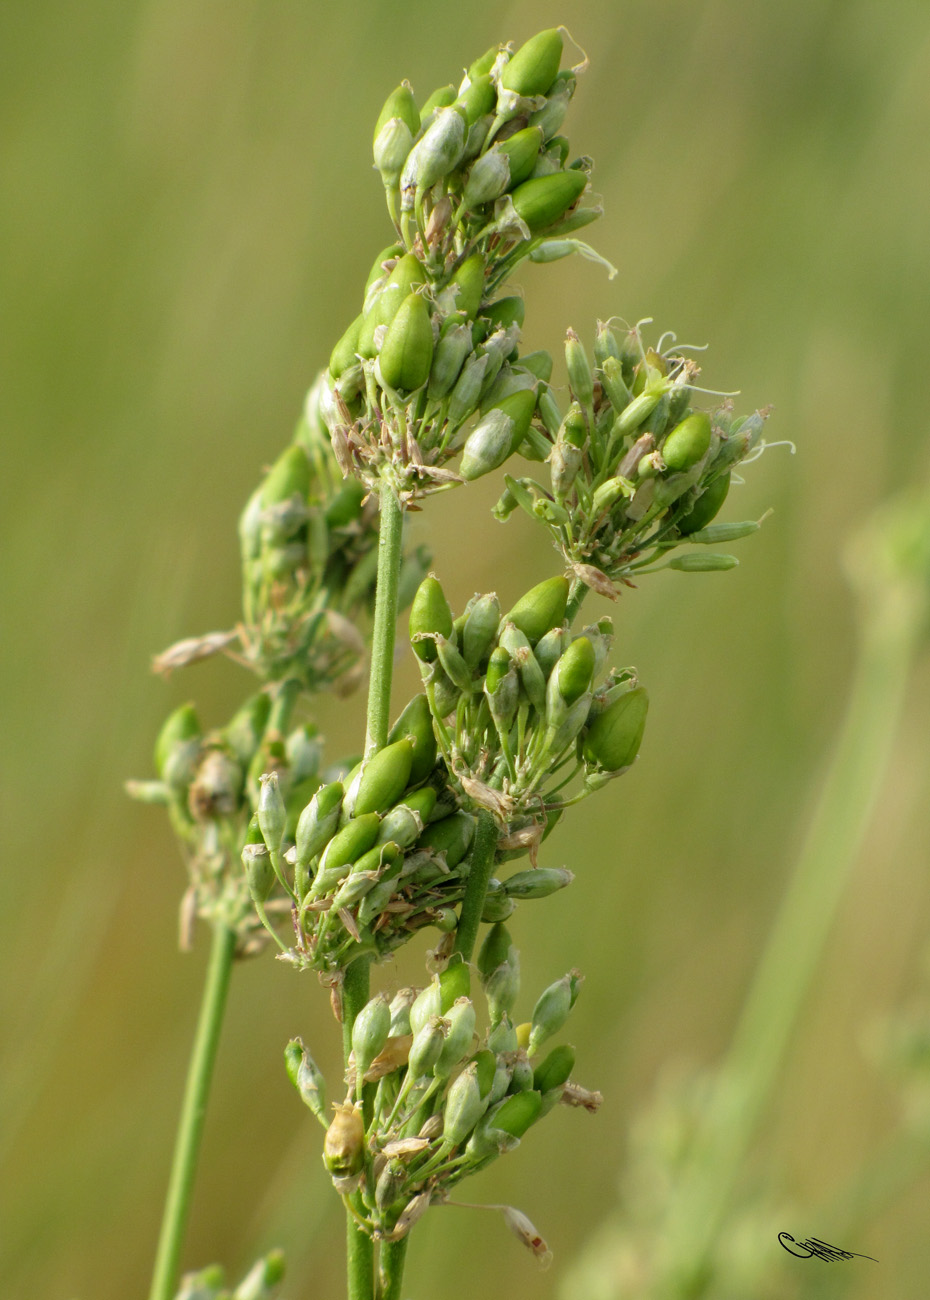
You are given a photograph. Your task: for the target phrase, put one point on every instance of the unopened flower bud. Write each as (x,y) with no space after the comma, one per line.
(347,845)
(344,1144)
(572,674)
(614,737)
(517,1113)
(305,1075)
(453,665)
(426,1005)
(466,288)
(289,476)
(442,97)
(259,873)
(550,117)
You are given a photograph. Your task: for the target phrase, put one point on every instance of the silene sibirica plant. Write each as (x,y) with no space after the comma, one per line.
(440,820)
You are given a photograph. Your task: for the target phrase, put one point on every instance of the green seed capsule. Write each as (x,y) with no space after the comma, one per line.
(426,1047)
(550,117)
(552,1008)
(344,1144)
(407,275)
(425,1006)
(369,1034)
(467,285)
(706,507)
(378,276)
(575,669)
(477,98)
(445,693)
(440,98)
(496,949)
(504,312)
(271,813)
(318,822)
(555,1070)
(488,446)
(438,151)
(543,200)
(407,352)
(401,1003)
(703,563)
(540,882)
(289,476)
(461,1019)
(534,67)
(688,442)
(429,613)
(451,836)
(383,779)
(613,383)
(449,357)
(306,1077)
(464,1106)
(488,179)
(580,375)
(542,608)
(400,104)
(717,533)
(259,873)
(416,724)
(521,151)
(454,983)
(614,737)
(483,65)
(480,631)
(549,649)
(351,842)
(467,390)
(517,1113)
(454,666)
(343,354)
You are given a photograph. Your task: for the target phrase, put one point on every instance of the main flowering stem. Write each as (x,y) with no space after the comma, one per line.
(356,987)
(193,1113)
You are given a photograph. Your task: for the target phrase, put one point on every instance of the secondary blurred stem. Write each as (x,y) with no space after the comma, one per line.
(356,987)
(888,640)
(193,1113)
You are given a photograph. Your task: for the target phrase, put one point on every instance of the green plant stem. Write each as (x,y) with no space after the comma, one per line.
(193,1112)
(575,601)
(360,1259)
(393,1254)
(801,928)
(476,888)
(390,536)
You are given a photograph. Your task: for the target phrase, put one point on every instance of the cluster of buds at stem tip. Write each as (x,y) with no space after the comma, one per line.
(449,1096)
(477,181)
(634,470)
(515,719)
(518,711)
(262,1282)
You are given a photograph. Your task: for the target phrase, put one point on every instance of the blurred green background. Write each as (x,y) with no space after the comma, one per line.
(188,215)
